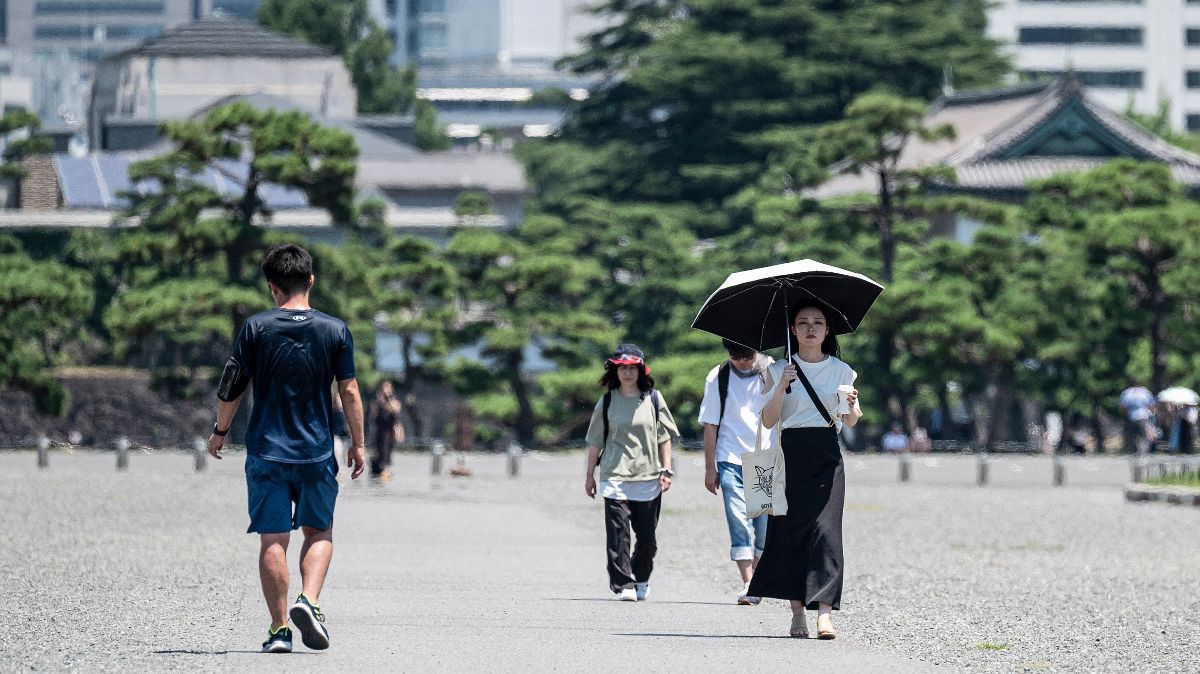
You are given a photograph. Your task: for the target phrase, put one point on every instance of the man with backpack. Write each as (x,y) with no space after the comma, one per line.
(731,428)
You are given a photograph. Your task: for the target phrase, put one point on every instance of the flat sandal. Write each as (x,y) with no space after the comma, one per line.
(799,629)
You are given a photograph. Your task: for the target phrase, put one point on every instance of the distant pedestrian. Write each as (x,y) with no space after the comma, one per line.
(388,429)
(729,414)
(629,440)
(292,354)
(894,440)
(802,560)
(1137,410)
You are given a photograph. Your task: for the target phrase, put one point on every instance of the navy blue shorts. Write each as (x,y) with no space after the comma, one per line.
(274,487)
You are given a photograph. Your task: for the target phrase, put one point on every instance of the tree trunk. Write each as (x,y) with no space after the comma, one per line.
(885,349)
(525,418)
(1097,424)
(1158,318)
(406,387)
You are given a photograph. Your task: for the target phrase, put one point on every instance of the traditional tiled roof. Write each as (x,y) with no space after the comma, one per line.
(223,36)
(1005,138)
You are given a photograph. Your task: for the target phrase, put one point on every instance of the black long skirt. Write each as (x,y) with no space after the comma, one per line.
(802,558)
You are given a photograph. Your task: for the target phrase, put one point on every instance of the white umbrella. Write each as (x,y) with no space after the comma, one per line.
(1179,395)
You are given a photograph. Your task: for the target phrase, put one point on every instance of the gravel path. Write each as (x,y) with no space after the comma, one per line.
(148,570)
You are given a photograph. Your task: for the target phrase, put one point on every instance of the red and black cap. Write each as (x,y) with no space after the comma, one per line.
(627,354)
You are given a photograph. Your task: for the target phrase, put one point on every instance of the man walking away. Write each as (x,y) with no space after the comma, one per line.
(292,354)
(731,425)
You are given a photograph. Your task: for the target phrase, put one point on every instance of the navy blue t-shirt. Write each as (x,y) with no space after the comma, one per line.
(293,356)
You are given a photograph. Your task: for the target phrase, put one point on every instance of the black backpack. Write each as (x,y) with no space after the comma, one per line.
(723,390)
(654,399)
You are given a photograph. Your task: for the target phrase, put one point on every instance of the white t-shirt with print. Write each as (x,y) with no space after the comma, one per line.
(741,422)
(798,410)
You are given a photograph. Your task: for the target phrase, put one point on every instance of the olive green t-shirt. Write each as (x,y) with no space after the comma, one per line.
(633,436)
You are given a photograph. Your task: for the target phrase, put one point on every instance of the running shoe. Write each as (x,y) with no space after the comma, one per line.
(642,590)
(279,641)
(745,599)
(627,594)
(307,618)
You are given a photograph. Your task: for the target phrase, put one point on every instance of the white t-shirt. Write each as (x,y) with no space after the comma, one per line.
(741,421)
(798,410)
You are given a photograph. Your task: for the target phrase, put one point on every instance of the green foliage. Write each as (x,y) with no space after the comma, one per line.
(382,88)
(345,28)
(431,135)
(692,89)
(334,24)
(1160,125)
(182,281)
(472,204)
(42,306)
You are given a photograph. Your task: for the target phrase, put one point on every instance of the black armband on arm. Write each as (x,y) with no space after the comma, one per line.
(233,381)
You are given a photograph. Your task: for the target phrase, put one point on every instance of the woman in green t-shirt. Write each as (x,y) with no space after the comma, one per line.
(629,440)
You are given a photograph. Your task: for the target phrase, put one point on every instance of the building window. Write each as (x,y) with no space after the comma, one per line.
(242,9)
(1193,79)
(3,21)
(432,37)
(1193,37)
(1193,122)
(96,32)
(1118,79)
(433,6)
(57,7)
(1080,35)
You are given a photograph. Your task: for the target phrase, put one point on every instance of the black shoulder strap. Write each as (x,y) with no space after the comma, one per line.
(604,415)
(723,391)
(655,399)
(813,394)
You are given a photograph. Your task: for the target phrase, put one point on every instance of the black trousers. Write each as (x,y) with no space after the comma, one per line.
(802,558)
(625,569)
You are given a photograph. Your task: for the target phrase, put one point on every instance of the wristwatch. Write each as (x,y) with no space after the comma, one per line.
(667,471)
(217,431)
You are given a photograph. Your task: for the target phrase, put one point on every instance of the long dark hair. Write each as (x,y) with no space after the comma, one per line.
(829,347)
(610,381)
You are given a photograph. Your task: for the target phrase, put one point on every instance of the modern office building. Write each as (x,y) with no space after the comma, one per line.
(56,44)
(1125,52)
(91,29)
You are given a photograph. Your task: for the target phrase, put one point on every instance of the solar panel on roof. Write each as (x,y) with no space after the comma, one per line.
(114,174)
(79,182)
(278,196)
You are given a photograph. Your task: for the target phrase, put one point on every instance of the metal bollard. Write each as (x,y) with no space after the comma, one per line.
(905,469)
(982,463)
(437,452)
(1137,467)
(43,451)
(1060,471)
(200,453)
(514,459)
(122,453)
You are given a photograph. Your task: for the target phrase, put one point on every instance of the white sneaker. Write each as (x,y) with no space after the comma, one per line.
(744,599)
(642,590)
(628,594)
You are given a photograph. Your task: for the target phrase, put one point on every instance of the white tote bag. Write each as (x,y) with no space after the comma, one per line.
(763,479)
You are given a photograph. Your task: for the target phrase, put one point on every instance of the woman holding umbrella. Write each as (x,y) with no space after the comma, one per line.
(802,558)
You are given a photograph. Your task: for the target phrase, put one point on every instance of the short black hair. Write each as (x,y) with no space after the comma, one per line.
(734,349)
(289,267)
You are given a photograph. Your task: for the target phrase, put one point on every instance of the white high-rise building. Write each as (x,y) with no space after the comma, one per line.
(1137,52)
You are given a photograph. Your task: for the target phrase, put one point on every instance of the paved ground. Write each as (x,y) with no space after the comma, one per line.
(148,570)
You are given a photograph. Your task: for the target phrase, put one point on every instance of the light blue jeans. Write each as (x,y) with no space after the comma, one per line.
(746,536)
